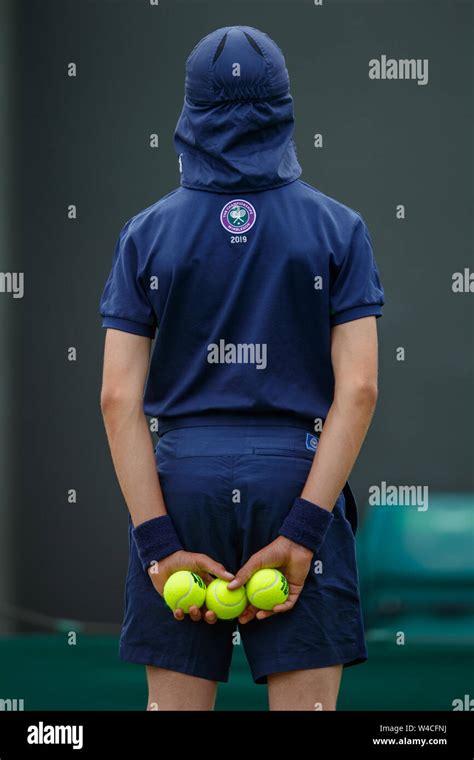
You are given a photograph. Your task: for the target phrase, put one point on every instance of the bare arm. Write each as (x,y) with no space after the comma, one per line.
(126,359)
(354,360)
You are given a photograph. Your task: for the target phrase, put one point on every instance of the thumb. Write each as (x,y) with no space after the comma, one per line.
(214,568)
(246,571)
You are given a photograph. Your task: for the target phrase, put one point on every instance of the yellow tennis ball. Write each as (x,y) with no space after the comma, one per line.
(183,590)
(266,588)
(226,604)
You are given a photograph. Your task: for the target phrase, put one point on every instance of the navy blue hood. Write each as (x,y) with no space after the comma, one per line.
(235,132)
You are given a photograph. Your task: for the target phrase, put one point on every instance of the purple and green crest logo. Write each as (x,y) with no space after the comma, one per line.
(238,216)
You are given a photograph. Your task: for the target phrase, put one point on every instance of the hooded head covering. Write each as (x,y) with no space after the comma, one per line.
(235,132)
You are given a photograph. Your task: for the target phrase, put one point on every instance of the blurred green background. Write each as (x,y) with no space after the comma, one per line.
(416,572)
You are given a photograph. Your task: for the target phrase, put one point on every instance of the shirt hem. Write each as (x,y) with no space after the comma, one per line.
(130,326)
(232,418)
(356,313)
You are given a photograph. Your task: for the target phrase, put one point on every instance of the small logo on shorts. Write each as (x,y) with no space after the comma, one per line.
(238,216)
(311,442)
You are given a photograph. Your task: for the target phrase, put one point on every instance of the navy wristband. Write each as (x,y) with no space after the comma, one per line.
(306,524)
(155,539)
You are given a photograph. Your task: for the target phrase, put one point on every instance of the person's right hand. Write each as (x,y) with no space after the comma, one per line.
(196,563)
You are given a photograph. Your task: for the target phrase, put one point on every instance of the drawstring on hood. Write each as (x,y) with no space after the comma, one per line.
(235,132)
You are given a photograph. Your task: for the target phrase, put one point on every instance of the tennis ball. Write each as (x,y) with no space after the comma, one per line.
(266,588)
(183,590)
(226,604)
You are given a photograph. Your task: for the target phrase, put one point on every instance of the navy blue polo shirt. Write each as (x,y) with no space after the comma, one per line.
(240,273)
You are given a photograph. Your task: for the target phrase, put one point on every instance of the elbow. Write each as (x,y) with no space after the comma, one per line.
(115,403)
(107,402)
(361,394)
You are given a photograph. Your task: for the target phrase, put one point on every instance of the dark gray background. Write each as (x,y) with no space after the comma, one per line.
(85,141)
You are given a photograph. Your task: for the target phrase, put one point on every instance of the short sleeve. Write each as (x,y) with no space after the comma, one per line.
(356,290)
(124,304)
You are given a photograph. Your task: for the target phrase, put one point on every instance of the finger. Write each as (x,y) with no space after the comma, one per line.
(248,614)
(215,568)
(284,607)
(178,614)
(210,617)
(263,614)
(251,566)
(207,578)
(278,608)
(195,613)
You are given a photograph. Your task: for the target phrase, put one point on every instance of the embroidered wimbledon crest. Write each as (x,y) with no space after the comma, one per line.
(238,216)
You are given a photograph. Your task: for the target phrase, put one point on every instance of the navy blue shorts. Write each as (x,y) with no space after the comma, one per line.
(228,489)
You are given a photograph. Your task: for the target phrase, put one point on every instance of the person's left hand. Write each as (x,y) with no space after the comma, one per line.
(293,560)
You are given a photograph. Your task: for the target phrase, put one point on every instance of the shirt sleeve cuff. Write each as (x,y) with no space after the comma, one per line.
(371,310)
(129,326)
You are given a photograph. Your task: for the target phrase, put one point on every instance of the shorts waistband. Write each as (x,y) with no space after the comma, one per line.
(223,418)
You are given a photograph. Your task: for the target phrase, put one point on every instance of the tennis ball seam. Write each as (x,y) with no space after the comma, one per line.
(265,588)
(181,598)
(226,604)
